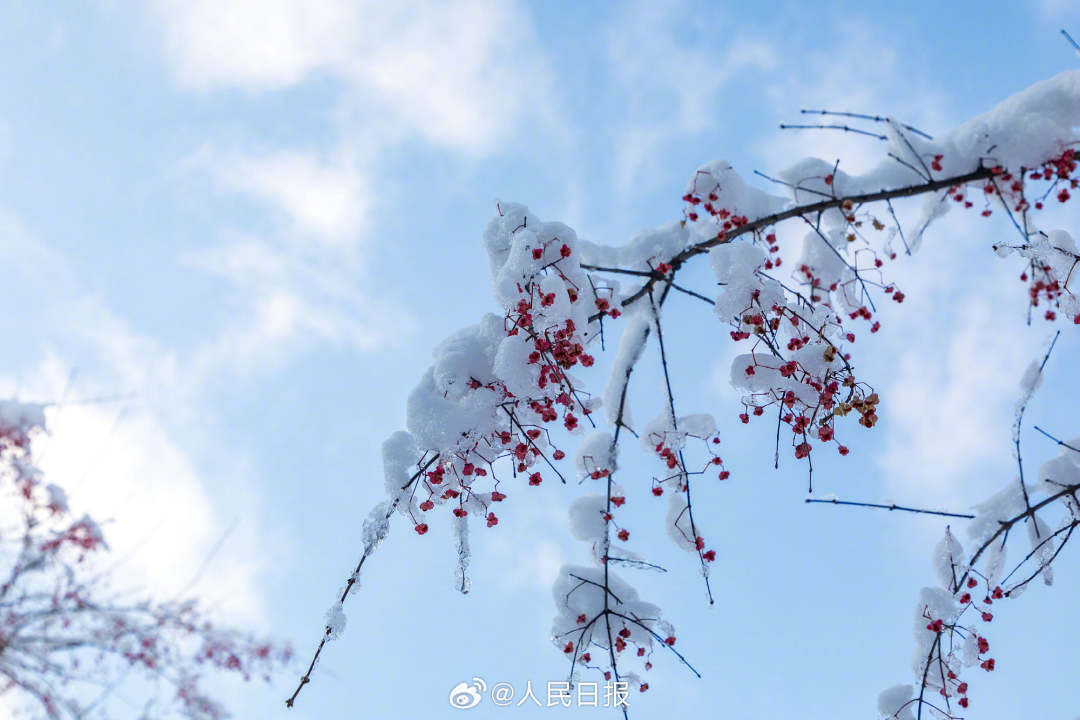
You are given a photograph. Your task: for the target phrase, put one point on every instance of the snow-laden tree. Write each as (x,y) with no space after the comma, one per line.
(69,643)
(508,404)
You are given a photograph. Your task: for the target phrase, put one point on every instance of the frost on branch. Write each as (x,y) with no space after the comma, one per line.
(335,621)
(65,634)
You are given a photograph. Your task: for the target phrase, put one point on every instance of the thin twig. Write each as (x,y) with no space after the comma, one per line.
(845,128)
(864,116)
(892,506)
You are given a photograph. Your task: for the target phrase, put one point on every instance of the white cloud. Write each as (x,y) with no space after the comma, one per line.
(855,71)
(459,75)
(268,44)
(671,82)
(949,374)
(465,77)
(303,280)
(522,545)
(291,296)
(325,201)
(1056,9)
(117,463)
(948,405)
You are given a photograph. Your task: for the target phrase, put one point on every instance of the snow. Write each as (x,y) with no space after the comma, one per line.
(587,517)
(736,266)
(1024,129)
(58,500)
(442,409)
(536,272)
(579,590)
(720,180)
(1042,546)
(18,420)
(674,434)
(1003,505)
(934,604)
(335,621)
(14,414)
(677,522)
(949,561)
(376,527)
(461,535)
(643,251)
(635,332)
(895,702)
(994,562)
(594,454)
(399,456)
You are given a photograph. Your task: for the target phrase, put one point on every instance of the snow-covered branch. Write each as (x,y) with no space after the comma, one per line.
(497,410)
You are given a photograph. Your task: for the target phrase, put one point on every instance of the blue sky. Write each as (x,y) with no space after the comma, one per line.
(252,221)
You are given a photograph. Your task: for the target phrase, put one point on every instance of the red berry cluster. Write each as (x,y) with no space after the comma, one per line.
(946,678)
(668,447)
(1056,177)
(556,344)
(704,195)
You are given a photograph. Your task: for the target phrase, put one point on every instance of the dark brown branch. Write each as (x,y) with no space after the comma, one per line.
(681,257)
(892,506)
